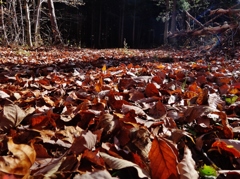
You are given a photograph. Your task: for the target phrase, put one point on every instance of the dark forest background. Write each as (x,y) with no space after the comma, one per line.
(107,23)
(104,23)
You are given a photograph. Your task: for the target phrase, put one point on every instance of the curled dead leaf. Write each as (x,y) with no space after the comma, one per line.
(20,163)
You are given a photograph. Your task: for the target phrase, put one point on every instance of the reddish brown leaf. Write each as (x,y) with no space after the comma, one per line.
(151,90)
(163,160)
(220,145)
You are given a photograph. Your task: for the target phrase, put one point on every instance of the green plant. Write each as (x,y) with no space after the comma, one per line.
(125,45)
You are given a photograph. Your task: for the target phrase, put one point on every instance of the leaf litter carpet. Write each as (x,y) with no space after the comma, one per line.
(84,113)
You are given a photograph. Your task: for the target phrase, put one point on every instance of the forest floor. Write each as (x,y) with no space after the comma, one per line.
(126,113)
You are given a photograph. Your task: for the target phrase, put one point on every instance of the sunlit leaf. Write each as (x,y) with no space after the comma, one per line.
(163,160)
(20,163)
(231,100)
(207,170)
(104,68)
(221,145)
(187,166)
(3,94)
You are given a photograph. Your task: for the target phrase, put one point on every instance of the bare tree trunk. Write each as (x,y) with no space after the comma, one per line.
(55,30)
(15,36)
(37,36)
(166,24)
(22,22)
(28,23)
(121,25)
(3,25)
(173,21)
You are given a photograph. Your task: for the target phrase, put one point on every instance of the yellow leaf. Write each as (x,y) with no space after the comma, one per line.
(104,68)
(160,66)
(98,86)
(20,163)
(233,91)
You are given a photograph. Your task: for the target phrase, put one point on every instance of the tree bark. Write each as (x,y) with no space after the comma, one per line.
(173,21)
(22,22)
(166,24)
(37,36)
(28,23)
(55,30)
(15,36)
(3,25)
(121,25)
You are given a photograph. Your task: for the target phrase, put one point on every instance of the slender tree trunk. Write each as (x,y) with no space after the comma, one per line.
(55,30)
(22,22)
(28,24)
(173,21)
(37,36)
(15,23)
(3,25)
(121,25)
(166,24)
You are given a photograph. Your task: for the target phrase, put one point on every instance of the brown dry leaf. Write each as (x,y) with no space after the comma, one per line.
(187,166)
(227,129)
(43,165)
(86,141)
(20,163)
(158,110)
(12,115)
(108,123)
(138,111)
(194,112)
(117,163)
(94,158)
(151,90)
(163,160)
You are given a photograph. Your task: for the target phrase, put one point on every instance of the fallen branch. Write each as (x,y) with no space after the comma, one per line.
(206,31)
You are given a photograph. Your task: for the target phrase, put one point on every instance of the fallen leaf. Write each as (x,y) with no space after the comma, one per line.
(118,163)
(187,166)
(163,160)
(20,163)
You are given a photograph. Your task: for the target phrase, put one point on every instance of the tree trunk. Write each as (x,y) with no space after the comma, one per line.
(22,22)
(15,36)
(28,24)
(173,21)
(166,24)
(121,25)
(55,30)
(37,36)
(3,25)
